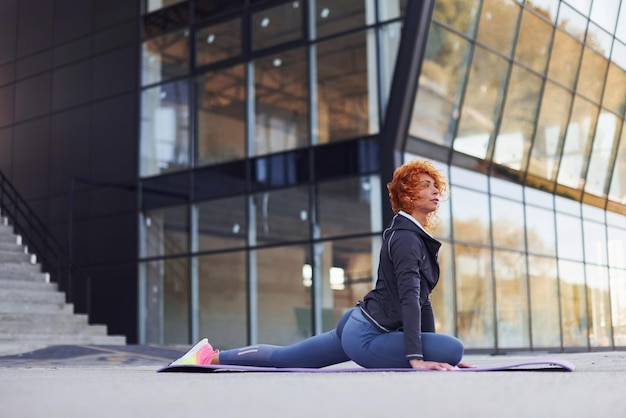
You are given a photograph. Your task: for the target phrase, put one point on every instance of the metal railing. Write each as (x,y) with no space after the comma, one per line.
(39,241)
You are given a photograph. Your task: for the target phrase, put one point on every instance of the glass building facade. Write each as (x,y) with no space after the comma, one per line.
(269,130)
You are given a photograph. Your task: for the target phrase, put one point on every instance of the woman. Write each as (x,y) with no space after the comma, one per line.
(393,326)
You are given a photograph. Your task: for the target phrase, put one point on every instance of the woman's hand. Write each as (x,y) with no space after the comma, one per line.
(465,366)
(429,365)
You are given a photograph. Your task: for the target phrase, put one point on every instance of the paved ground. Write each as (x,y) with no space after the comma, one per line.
(121,381)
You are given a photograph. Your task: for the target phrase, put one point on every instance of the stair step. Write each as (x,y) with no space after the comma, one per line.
(36,307)
(48,324)
(12,247)
(27,295)
(12,257)
(39,285)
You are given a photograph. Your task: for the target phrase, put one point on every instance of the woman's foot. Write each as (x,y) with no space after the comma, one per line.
(199,354)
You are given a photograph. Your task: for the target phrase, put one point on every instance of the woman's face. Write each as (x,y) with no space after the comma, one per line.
(427,198)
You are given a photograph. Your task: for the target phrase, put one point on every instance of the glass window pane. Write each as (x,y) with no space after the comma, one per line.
(470,179)
(345,206)
(564,59)
(222,298)
(595,243)
(167,301)
(599,40)
(599,301)
(165,128)
(607,134)
(166,231)
(441,83)
(605,13)
(207,8)
(474,294)
(277,25)
(615,91)
(482,103)
(616,246)
(569,237)
(346,88)
(551,127)
(165,57)
(221,115)
(538,198)
(152,5)
(506,188)
(540,231)
(282,294)
(332,16)
(281,98)
(544,296)
(618,180)
(470,213)
(498,24)
(574,319)
(443,296)
(176,300)
(533,42)
(574,21)
(346,273)
(390,42)
(618,305)
(282,215)
(222,224)
(507,224)
(566,205)
(518,119)
(460,14)
(546,8)
(511,299)
(576,147)
(590,78)
(391,9)
(218,42)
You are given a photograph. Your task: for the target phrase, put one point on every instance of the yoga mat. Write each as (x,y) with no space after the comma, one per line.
(542,364)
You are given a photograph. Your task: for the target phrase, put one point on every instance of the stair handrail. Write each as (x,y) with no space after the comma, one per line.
(26,224)
(37,238)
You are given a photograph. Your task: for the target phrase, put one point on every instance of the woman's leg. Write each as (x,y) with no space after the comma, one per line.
(317,351)
(370,348)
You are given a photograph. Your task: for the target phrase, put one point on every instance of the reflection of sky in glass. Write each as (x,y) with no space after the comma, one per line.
(540,230)
(569,237)
(594,242)
(616,247)
(473,180)
(506,188)
(604,13)
(571,272)
(507,223)
(538,198)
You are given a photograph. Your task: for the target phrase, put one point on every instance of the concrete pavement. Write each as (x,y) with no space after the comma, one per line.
(121,381)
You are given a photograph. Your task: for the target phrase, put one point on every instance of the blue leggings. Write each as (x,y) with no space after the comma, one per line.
(356,339)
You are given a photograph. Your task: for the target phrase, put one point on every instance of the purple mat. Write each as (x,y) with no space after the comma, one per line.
(539,364)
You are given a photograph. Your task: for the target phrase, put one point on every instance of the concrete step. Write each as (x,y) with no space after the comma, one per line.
(27,295)
(52,308)
(33,323)
(12,247)
(13,257)
(39,285)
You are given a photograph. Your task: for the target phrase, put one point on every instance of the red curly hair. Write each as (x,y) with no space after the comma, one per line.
(405,184)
